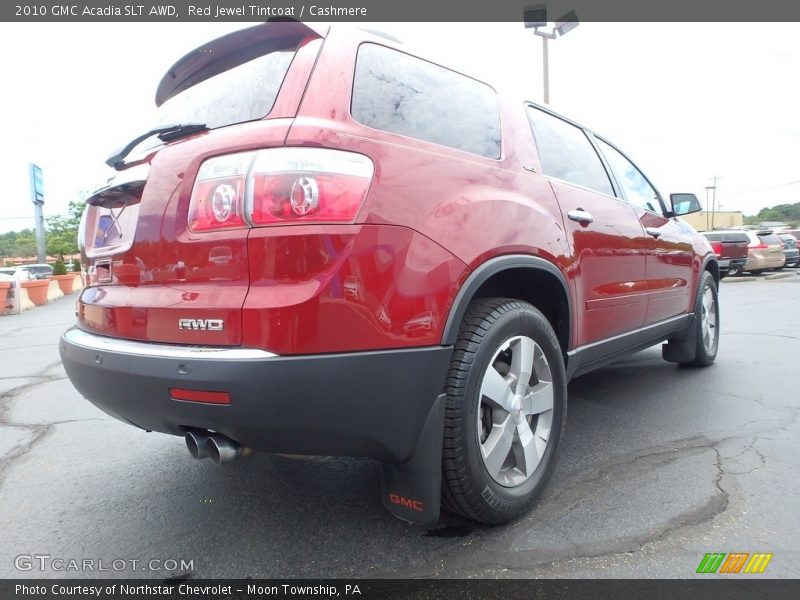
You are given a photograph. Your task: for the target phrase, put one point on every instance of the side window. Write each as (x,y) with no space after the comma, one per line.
(402,94)
(635,188)
(566,152)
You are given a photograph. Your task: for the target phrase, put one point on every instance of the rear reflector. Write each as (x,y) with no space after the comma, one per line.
(279,186)
(200,396)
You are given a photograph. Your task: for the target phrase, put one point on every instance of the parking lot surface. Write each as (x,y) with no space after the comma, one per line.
(660,465)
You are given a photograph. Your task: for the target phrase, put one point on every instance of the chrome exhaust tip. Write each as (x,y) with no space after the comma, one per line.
(197,443)
(223,450)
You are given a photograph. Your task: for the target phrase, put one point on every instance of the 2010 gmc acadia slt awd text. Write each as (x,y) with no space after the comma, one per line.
(329,246)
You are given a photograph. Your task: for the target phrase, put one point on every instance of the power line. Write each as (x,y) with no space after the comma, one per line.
(769,187)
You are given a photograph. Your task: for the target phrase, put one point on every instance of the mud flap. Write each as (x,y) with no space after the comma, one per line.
(682,348)
(412,490)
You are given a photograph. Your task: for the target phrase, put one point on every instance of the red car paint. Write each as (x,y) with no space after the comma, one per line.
(389,279)
(431,216)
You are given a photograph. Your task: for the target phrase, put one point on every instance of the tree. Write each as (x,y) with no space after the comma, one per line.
(24,244)
(62,231)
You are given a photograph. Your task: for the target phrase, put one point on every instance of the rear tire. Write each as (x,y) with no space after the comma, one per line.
(506,405)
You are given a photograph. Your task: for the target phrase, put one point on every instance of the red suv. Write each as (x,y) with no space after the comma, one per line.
(395,262)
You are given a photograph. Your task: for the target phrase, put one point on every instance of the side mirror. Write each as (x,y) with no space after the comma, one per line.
(684,204)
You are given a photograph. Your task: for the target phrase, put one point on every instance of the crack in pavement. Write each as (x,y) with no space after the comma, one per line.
(523,561)
(37,430)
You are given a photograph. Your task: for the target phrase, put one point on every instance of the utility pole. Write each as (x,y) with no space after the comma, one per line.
(713,199)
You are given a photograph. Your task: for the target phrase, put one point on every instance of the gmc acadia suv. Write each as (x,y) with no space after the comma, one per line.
(395,262)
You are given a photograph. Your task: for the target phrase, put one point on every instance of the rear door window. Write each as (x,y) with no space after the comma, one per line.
(402,94)
(566,153)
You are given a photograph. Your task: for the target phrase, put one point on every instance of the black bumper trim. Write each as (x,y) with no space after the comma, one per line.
(371,404)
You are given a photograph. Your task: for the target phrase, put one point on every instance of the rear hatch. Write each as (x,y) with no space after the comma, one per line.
(155,273)
(769,248)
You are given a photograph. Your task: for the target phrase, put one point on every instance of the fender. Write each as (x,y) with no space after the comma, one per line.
(706,261)
(487,270)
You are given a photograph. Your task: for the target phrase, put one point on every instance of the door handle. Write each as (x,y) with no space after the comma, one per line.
(580,216)
(656,233)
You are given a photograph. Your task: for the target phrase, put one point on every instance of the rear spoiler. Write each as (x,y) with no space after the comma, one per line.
(232,50)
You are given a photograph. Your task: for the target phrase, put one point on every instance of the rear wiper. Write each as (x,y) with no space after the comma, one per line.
(166,133)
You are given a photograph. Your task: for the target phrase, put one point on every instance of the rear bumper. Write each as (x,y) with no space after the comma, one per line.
(372,404)
(771,262)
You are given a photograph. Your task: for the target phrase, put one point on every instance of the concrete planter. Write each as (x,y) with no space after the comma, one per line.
(54,291)
(5,286)
(37,290)
(65,282)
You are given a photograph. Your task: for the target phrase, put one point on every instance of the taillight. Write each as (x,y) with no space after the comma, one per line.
(219,193)
(717,248)
(761,246)
(279,186)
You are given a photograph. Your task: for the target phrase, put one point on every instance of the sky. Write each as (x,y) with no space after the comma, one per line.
(685,101)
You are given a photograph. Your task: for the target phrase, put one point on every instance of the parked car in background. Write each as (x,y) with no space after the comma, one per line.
(38,270)
(790,251)
(764,252)
(730,248)
(17,272)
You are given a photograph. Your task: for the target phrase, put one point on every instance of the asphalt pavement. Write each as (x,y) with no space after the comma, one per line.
(660,465)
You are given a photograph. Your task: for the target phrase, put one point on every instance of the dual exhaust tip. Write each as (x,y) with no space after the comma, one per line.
(221,449)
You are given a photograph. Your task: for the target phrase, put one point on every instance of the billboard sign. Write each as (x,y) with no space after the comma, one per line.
(37,185)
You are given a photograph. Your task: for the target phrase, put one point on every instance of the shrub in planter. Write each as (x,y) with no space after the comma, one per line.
(59,268)
(65,280)
(76,265)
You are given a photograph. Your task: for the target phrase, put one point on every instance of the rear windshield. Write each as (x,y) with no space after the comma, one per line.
(737,237)
(713,237)
(770,239)
(243,93)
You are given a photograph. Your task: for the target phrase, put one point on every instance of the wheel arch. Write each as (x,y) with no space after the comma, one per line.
(711,265)
(523,277)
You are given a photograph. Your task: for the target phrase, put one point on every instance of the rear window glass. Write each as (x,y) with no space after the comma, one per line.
(713,237)
(770,238)
(401,94)
(737,237)
(244,93)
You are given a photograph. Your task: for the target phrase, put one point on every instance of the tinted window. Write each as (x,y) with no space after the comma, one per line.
(243,93)
(713,237)
(634,186)
(401,94)
(736,237)
(770,239)
(566,153)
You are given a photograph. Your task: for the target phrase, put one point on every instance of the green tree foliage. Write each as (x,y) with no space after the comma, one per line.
(62,232)
(18,243)
(785,213)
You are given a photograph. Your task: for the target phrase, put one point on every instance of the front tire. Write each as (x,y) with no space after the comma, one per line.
(506,405)
(706,321)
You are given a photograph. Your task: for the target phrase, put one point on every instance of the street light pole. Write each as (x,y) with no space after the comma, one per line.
(564,25)
(546,69)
